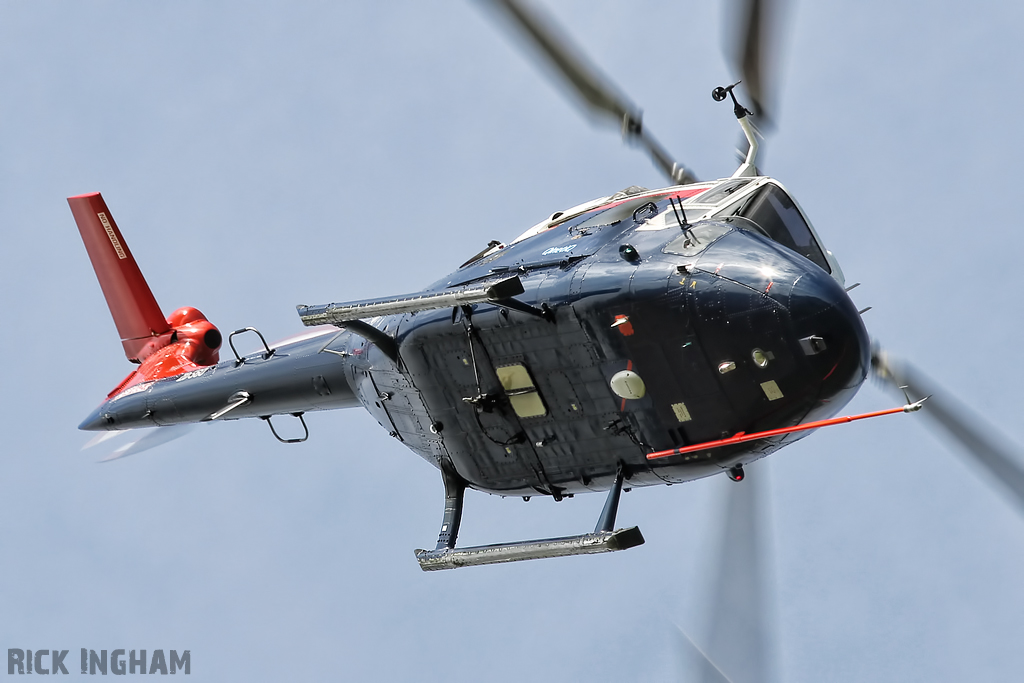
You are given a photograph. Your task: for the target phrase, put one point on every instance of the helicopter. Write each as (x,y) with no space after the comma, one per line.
(647,337)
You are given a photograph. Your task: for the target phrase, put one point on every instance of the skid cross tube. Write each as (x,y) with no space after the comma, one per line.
(454,493)
(385,342)
(611,506)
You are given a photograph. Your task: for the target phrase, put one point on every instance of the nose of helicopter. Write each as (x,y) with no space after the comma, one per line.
(791,341)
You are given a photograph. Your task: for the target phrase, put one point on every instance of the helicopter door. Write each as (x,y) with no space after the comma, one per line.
(778,216)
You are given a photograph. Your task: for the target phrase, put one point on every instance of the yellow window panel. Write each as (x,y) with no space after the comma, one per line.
(528,405)
(514,377)
(521,391)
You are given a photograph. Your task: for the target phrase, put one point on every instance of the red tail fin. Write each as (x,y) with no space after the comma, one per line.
(137,315)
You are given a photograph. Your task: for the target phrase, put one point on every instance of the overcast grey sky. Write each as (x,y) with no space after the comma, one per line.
(257,156)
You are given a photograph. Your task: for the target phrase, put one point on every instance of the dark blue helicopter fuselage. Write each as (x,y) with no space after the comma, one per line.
(724,329)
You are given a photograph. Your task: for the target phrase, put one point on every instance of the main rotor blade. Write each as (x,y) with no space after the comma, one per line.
(706,670)
(746,52)
(738,631)
(594,89)
(970,431)
(752,49)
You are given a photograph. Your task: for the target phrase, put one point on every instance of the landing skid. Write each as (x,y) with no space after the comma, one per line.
(446,556)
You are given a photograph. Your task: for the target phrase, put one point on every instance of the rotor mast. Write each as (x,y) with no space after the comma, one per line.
(748,167)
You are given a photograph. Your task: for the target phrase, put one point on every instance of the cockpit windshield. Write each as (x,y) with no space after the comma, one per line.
(776,214)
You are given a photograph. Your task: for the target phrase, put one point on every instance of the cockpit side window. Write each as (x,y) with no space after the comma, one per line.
(776,214)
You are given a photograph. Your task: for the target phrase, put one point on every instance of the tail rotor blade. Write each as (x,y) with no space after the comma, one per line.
(595,90)
(100,437)
(145,439)
(976,438)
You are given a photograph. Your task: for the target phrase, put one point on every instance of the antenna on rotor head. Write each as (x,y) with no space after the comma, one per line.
(747,168)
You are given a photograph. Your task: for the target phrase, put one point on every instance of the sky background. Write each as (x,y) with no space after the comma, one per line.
(257,156)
